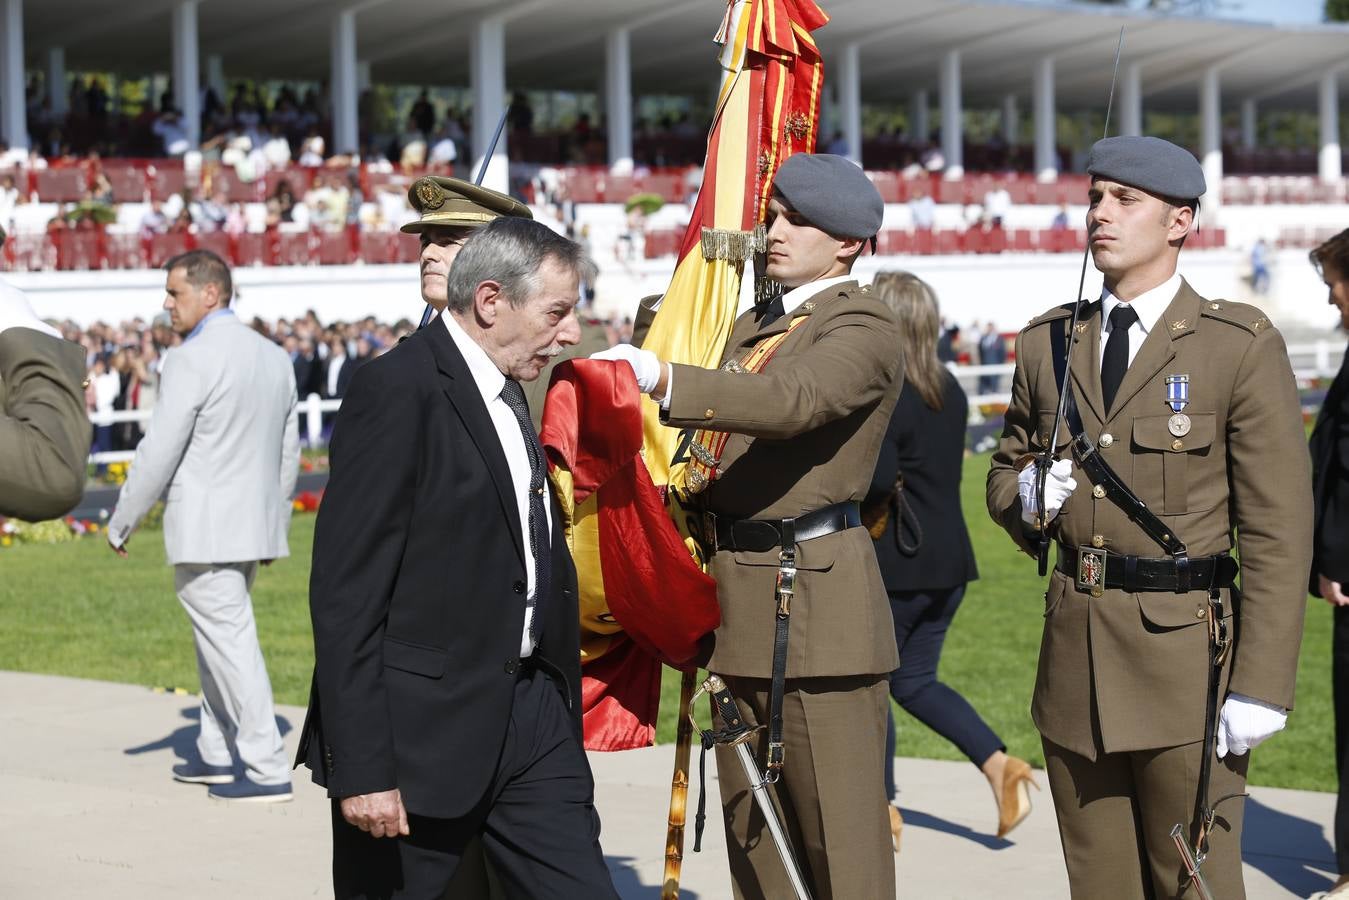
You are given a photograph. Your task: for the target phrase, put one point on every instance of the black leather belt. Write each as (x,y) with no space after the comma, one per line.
(1142,574)
(766,534)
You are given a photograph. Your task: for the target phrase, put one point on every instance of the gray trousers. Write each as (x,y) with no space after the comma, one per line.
(236,695)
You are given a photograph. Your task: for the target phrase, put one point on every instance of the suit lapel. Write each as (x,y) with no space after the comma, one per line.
(1086,366)
(457,382)
(1159,348)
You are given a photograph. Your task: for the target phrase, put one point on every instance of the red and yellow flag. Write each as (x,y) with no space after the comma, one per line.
(644,599)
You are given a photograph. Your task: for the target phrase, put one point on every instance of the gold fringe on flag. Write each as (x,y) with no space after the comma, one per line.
(722,243)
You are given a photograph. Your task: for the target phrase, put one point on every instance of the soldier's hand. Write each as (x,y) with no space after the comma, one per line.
(646,366)
(1059,485)
(119,549)
(1247,722)
(380,814)
(1332,591)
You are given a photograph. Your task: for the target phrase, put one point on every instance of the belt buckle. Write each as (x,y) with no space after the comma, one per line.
(709,523)
(1091,570)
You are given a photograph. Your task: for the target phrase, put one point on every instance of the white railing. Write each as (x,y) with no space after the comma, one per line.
(312,409)
(1315,360)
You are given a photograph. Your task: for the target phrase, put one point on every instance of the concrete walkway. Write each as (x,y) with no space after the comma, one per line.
(91,811)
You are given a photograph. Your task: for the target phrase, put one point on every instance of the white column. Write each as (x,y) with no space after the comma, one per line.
(828,111)
(363,80)
(13,108)
(1249,126)
(342,84)
(921,123)
(57,93)
(487,68)
(1210,134)
(215,78)
(618,97)
(1046,155)
(186,70)
(1011,120)
(1131,101)
(1329,155)
(850,100)
(952,137)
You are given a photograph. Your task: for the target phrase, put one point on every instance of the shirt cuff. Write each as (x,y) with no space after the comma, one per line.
(669,387)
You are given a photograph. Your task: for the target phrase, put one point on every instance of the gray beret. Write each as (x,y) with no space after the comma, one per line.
(1155,165)
(834,194)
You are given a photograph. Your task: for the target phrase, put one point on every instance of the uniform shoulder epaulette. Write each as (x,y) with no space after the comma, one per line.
(1059,312)
(1242,315)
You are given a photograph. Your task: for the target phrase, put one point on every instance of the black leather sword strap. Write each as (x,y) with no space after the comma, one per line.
(786,589)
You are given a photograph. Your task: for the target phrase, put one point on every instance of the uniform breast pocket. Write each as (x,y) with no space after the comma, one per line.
(1165,456)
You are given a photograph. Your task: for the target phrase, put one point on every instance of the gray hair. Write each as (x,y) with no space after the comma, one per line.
(510,251)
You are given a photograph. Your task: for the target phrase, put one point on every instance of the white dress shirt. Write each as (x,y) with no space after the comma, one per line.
(490,381)
(1149,305)
(335,364)
(790,301)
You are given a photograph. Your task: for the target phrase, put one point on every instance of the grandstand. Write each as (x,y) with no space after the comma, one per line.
(1002,208)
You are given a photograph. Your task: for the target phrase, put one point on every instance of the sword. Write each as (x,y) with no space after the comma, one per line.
(482,173)
(1046,458)
(1192,864)
(737,734)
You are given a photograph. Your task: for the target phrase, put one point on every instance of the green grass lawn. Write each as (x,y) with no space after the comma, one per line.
(76,609)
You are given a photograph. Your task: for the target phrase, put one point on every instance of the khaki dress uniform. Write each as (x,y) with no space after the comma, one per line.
(44,430)
(805,432)
(1120,692)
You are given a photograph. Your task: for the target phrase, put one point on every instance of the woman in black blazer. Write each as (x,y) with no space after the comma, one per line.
(924,550)
(1330,560)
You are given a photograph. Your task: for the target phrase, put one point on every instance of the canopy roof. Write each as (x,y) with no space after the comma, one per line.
(559,45)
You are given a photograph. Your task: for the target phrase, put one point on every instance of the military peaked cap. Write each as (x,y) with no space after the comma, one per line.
(453,202)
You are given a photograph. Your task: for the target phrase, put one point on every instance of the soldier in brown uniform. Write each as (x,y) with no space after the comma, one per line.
(802,425)
(44,429)
(1193,404)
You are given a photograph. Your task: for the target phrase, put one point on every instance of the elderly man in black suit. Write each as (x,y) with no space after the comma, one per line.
(1330,563)
(446,703)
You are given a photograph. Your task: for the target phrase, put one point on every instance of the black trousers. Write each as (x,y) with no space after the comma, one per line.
(537,822)
(922,619)
(1339,675)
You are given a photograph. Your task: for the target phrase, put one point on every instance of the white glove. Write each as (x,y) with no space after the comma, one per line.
(1246,722)
(645,364)
(16,313)
(1059,484)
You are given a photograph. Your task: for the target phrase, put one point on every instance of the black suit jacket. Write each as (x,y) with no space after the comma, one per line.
(1330,483)
(928,446)
(417,591)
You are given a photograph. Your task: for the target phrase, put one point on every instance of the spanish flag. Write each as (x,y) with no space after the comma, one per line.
(620,474)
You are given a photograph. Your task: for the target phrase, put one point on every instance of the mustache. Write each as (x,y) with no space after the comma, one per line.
(551,351)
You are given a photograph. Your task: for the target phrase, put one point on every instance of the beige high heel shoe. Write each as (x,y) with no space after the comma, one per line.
(1014,798)
(896,825)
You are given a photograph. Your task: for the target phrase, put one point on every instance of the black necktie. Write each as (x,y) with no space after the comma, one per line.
(770,312)
(1116,359)
(540,544)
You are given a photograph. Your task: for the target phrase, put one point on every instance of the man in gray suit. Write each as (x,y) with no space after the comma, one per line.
(225,444)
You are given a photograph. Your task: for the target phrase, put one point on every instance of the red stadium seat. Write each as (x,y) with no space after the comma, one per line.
(334,249)
(1023,240)
(61,185)
(163,247)
(379,247)
(128,181)
(77,250)
(409,247)
(166,178)
(294,248)
(219,243)
(124,251)
(251,249)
